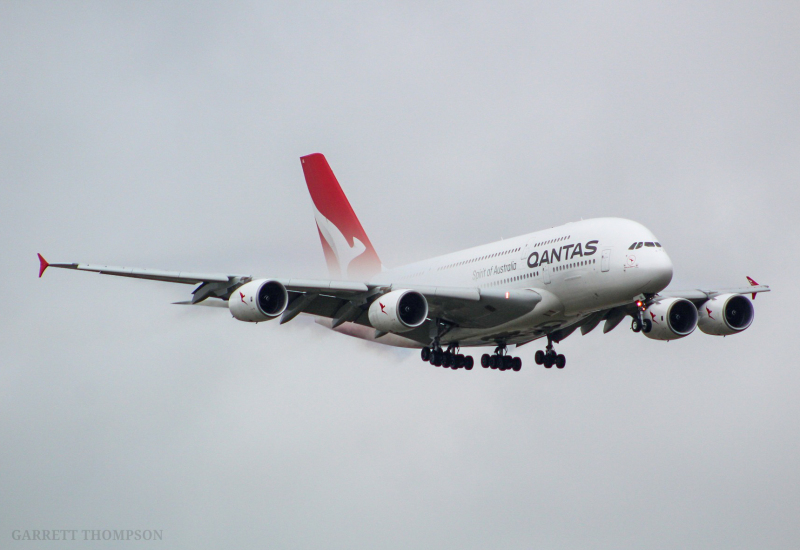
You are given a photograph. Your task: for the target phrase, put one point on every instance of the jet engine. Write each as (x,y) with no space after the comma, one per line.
(670,319)
(726,314)
(258,301)
(398,311)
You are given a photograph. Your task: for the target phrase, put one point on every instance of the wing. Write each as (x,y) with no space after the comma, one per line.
(218,285)
(698,295)
(346,301)
(464,307)
(614,316)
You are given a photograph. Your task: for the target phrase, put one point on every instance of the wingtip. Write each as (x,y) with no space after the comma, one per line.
(42,265)
(752,283)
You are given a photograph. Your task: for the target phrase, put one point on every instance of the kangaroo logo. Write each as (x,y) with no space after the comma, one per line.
(345,253)
(241,295)
(383,308)
(709,314)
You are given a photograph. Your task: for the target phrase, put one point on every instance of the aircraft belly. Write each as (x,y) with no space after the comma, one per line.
(547,313)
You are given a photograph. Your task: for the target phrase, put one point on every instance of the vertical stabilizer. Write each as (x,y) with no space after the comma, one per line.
(348,250)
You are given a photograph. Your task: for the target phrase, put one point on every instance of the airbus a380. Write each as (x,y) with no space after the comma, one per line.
(543,285)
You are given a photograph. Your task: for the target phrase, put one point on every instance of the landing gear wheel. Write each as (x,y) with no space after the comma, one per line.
(469,362)
(486,360)
(648,326)
(561,361)
(508,362)
(494,361)
(539,357)
(549,360)
(460,361)
(436,358)
(516,364)
(448,359)
(636,325)
(426,354)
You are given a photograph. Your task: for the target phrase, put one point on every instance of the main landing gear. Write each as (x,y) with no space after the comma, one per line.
(449,359)
(549,357)
(501,360)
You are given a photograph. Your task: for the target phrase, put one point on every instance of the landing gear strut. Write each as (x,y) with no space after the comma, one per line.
(501,360)
(549,357)
(639,322)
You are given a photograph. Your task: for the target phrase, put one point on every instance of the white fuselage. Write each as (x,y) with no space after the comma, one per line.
(578,268)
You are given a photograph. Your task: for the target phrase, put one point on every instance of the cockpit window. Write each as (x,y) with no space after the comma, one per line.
(639,245)
(651,245)
(658,245)
(631,247)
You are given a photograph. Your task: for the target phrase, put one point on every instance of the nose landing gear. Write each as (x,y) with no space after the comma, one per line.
(639,322)
(549,357)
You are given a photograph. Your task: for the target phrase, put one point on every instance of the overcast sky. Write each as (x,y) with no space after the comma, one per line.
(168,136)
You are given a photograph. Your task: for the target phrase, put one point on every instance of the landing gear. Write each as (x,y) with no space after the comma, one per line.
(641,325)
(549,357)
(448,359)
(500,360)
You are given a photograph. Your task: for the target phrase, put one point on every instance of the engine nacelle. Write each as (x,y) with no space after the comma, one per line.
(726,314)
(258,301)
(670,319)
(398,311)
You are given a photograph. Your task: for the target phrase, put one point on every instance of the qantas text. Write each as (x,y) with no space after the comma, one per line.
(569,251)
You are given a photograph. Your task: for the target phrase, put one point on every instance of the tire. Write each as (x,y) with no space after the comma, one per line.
(508,362)
(517,364)
(469,362)
(548,361)
(459,361)
(485,360)
(426,354)
(494,361)
(561,361)
(448,359)
(636,326)
(539,357)
(648,326)
(436,358)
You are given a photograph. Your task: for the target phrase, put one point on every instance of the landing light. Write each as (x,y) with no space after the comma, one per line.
(506,295)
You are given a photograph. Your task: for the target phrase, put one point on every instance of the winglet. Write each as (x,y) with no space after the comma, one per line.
(42,265)
(752,283)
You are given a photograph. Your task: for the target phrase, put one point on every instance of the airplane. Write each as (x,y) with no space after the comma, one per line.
(542,285)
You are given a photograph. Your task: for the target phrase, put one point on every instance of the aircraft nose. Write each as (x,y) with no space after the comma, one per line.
(660,271)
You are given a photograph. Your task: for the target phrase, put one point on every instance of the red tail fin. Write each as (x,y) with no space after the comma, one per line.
(348,251)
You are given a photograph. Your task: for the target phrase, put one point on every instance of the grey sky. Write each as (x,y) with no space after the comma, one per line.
(168,137)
